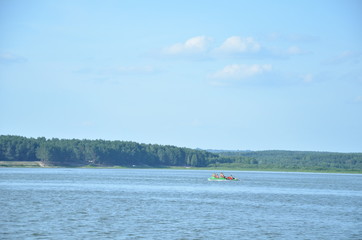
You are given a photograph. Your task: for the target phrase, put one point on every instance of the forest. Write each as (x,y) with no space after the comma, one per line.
(76,153)
(298,160)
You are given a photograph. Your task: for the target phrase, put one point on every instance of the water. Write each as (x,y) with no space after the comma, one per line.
(177,204)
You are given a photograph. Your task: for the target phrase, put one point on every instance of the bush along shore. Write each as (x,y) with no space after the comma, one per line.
(17,151)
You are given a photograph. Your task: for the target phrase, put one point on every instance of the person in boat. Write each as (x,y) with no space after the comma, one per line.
(230,177)
(215,175)
(222,175)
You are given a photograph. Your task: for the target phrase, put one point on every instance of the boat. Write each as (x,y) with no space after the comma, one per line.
(222,179)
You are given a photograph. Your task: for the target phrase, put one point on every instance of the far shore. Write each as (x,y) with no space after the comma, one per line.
(39,164)
(25,164)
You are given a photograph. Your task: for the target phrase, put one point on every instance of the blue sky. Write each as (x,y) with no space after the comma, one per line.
(255,75)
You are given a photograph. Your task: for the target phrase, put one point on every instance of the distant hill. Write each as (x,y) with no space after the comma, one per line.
(75,152)
(298,160)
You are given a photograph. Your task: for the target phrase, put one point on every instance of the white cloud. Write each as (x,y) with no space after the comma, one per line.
(237,44)
(239,71)
(193,45)
(234,46)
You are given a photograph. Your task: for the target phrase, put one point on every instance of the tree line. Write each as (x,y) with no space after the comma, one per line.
(75,152)
(299,160)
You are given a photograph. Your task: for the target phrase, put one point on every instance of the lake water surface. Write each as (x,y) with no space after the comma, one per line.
(61,203)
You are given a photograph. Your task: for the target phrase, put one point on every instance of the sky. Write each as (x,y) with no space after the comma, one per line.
(234,75)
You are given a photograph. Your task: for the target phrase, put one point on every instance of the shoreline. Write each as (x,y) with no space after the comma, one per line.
(39,164)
